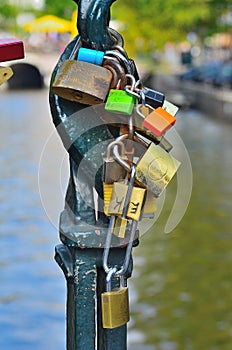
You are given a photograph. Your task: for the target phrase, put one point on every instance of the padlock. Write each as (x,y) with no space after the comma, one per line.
(158,140)
(159,121)
(120,101)
(127,202)
(91,56)
(120,55)
(82,82)
(153,98)
(170,108)
(140,114)
(156,168)
(119,79)
(112,171)
(5,74)
(120,226)
(150,207)
(107,193)
(115,303)
(118,197)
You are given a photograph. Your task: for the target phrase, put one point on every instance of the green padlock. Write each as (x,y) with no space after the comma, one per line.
(121,101)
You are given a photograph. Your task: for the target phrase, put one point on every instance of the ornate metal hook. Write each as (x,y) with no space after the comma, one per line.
(93,21)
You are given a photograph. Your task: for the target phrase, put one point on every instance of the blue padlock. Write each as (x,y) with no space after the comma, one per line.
(91,56)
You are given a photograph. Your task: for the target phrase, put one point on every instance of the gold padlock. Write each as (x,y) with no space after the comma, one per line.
(115,303)
(120,227)
(5,74)
(107,193)
(150,206)
(80,81)
(117,201)
(156,168)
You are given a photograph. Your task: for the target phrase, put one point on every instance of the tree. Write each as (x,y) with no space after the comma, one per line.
(59,8)
(149,24)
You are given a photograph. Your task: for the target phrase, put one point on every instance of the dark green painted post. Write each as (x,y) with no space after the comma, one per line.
(85,282)
(80,255)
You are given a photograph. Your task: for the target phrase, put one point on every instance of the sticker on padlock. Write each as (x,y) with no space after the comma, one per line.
(156,168)
(120,101)
(82,82)
(113,171)
(115,303)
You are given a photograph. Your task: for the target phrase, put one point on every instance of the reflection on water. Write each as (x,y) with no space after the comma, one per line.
(185,276)
(181,287)
(32,292)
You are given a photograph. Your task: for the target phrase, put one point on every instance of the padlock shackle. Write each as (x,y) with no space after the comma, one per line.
(119,160)
(129,191)
(121,58)
(110,274)
(138,109)
(115,34)
(122,51)
(108,244)
(125,265)
(117,70)
(112,145)
(76,47)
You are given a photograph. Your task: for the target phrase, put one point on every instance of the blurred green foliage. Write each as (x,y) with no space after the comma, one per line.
(149,24)
(146,25)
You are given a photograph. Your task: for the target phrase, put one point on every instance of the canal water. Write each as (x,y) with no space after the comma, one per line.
(180,291)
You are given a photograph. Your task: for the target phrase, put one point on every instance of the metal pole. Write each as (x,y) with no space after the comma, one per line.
(81,254)
(85,283)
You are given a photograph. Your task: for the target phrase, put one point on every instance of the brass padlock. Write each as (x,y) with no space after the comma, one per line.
(5,74)
(113,171)
(115,303)
(82,82)
(120,226)
(135,203)
(156,168)
(150,206)
(107,193)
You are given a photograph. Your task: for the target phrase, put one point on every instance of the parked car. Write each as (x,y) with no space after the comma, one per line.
(209,72)
(191,74)
(204,73)
(224,77)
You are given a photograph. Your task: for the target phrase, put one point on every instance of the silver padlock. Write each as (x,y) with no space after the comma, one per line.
(112,170)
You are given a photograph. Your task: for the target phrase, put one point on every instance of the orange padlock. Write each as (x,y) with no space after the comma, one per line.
(159,121)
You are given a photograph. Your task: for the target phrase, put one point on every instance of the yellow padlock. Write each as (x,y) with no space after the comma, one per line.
(118,197)
(150,206)
(5,74)
(107,193)
(120,227)
(156,168)
(115,303)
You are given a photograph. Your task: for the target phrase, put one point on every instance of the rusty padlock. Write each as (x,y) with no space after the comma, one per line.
(82,82)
